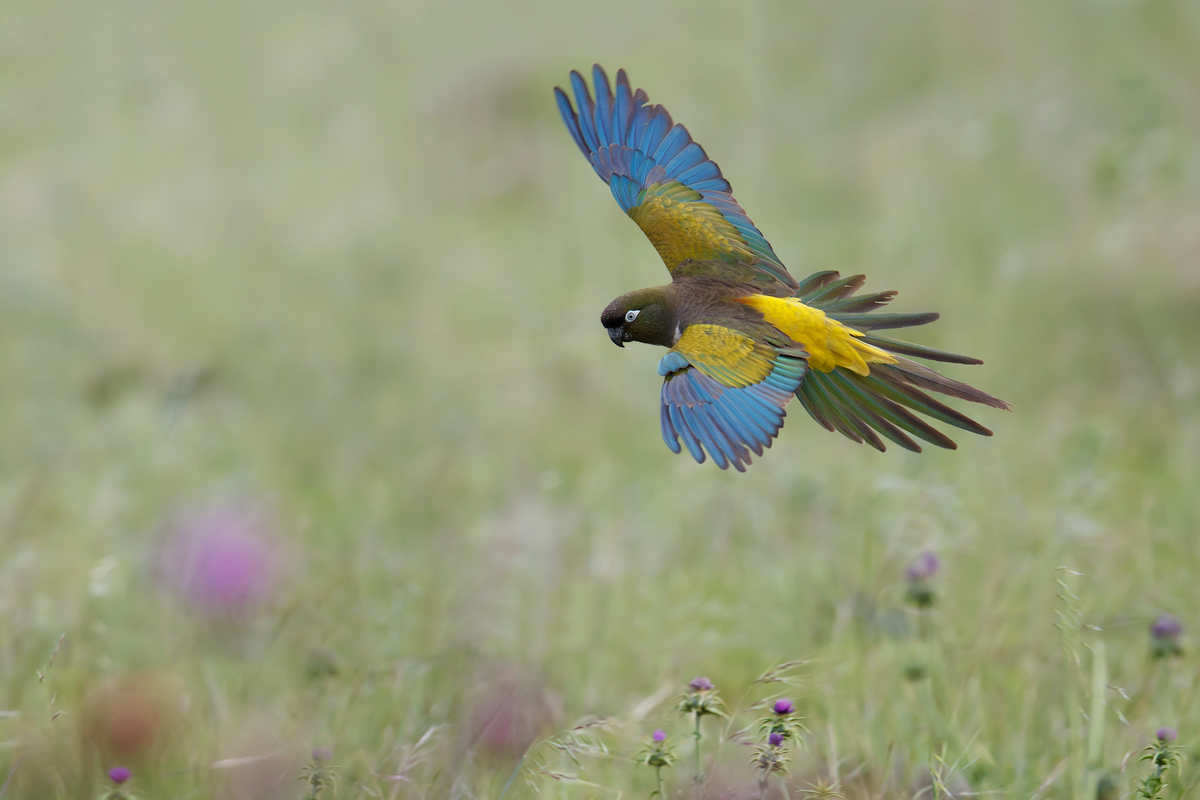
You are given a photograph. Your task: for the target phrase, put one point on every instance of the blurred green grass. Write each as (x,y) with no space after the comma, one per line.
(344,259)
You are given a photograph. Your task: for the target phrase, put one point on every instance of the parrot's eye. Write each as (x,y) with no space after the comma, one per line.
(630,316)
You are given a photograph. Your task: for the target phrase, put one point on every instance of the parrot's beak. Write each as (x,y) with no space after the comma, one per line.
(617,335)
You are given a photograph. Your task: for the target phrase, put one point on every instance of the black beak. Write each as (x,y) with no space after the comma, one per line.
(617,335)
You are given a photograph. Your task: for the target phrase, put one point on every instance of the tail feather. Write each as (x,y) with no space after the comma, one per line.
(814,282)
(867,415)
(922,376)
(899,391)
(846,422)
(919,351)
(836,290)
(891,431)
(876,322)
(895,413)
(806,399)
(888,400)
(860,304)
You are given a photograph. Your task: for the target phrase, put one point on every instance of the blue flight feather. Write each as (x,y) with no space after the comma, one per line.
(690,156)
(587,110)
(568,116)
(656,129)
(668,432)
(689,438)
(709,435)
(671,144)
(698,173)
(622,109)
(604,103)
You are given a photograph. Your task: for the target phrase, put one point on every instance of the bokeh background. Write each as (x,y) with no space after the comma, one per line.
(312,438)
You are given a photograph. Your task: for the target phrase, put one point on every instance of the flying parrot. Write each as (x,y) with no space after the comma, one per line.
(743,335)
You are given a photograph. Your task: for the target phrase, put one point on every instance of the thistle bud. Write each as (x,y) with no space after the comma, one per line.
(700,699)
(657,753)
(780,724)
(920,574)
(923,567)
(1164,637)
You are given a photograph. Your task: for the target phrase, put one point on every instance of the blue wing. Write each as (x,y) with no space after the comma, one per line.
(726,421)
(647,159)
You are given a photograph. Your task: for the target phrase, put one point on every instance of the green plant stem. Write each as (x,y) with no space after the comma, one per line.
(1095,749)
(1069,625)
(1152,787)
(696,780)
(511,777)
(658,778)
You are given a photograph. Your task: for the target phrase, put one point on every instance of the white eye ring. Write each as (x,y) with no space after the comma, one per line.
(630,316)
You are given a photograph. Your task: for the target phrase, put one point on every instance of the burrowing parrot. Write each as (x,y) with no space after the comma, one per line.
(744,335)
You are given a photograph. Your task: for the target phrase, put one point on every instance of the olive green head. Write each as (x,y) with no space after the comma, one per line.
(646,315)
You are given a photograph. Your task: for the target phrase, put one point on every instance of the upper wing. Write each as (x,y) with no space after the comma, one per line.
(667,184)
(725,392)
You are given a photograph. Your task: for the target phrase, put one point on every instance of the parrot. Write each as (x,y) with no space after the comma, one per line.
(742,335)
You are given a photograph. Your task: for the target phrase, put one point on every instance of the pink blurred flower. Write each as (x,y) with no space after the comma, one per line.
(131,716)
(221,560)
(510,712)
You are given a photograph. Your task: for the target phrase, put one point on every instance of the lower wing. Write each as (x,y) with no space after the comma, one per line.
(724,393)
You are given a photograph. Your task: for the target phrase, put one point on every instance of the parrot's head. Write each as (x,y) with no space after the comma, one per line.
(645,316)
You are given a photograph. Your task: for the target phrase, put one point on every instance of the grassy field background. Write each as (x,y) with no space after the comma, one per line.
(342,262)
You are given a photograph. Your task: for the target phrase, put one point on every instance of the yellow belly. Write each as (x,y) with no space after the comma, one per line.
(829,343)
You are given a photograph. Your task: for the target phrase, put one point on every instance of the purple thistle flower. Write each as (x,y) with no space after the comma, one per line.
(923,567)
(776,739)
(1166,627)
(1166,734)
(119,775)
(783,707)
(322,754)
(700,684)
(659,736)
(220,559)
